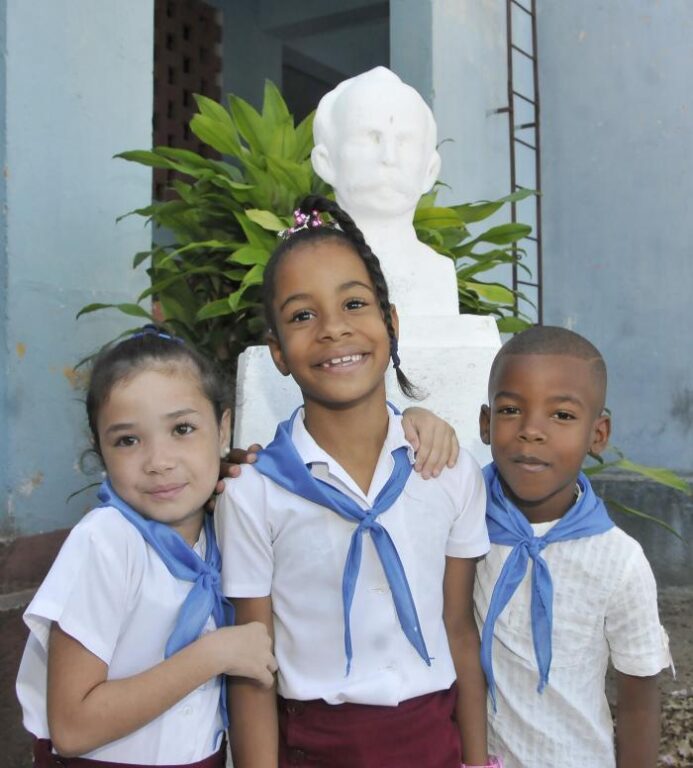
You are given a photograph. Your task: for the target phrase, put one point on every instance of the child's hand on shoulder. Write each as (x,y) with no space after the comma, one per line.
(246,651)
(230,466)
(434,441)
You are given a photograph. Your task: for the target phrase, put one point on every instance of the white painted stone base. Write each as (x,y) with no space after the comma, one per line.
(447,357)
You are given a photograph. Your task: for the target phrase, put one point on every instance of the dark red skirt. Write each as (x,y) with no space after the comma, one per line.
(418,733)
(44,758)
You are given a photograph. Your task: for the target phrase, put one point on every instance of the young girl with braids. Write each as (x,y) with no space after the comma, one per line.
(128,643)
(361,569)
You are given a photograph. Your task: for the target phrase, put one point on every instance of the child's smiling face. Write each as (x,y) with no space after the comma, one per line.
(544,416)
(330,332)
(160,441)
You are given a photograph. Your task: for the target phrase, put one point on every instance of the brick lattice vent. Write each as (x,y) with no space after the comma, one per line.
(187,60)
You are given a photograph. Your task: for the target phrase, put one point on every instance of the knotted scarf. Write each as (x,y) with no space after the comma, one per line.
(507,525)
(281,462)
(205,599)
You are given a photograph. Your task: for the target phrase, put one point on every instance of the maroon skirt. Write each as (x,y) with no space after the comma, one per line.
(418,732)
(45,758)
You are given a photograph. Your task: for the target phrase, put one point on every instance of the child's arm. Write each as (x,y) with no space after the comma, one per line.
(463,639)
(86,711)
(433,440)
(255,731)
(637,721)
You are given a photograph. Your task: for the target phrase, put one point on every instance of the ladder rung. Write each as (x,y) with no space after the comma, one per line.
(522,96)
(522,51)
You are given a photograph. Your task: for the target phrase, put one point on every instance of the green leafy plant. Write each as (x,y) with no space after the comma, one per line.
(614,460)
(226,215)
(446,231)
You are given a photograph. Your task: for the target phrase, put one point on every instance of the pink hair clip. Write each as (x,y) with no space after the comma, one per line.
(303,220)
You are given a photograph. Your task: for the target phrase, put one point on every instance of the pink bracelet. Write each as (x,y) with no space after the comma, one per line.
(493,762)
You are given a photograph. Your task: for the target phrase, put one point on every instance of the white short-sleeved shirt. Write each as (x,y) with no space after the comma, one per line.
(604,606)
(109,590)
(276,543)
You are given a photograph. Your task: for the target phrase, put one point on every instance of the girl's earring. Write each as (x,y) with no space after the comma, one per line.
(224,452)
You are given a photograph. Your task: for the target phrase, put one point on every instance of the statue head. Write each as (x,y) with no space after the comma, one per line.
(375,143)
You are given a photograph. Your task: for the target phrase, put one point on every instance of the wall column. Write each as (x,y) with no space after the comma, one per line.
(454,53)
(76,84)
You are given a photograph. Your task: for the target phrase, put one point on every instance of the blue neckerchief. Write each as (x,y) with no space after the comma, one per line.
(507,525)
(281,462)
(205,599)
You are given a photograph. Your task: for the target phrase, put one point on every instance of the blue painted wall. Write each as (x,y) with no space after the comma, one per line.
(78,78)
(616,82)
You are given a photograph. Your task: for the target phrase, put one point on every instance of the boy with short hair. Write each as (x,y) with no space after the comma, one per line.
(549,628)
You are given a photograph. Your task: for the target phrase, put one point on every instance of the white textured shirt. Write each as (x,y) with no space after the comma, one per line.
(276,543)
(604,607)
(109,590)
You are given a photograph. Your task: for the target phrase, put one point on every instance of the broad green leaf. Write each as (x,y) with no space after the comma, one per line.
(639,513)
(215,111)
(234,186)
(471,212)
(180,303)
(144,157)
(266,219)
(250,124)
(249,256)
(304,138)
(274,109)
(134,310)
(505,234)
(658,474)
(159,288)
(227,169)
(257,236)
(436,218)
(510,324)
(432,237)
(140,257)
(234,300)
(93,308)
(426,201)
(283,141)
(495,292)
(186,157)
(254,275)
(203,245)
(216,308)
(234,275)
(211,132)
(297,177)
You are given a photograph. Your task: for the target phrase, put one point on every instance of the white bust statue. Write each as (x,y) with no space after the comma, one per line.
(375,143)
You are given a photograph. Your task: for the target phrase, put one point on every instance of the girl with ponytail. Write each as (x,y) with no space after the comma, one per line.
(361,570)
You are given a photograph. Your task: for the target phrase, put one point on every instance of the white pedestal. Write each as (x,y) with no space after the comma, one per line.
(447,357)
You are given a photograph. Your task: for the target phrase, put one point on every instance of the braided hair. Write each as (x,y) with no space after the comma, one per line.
(350,234)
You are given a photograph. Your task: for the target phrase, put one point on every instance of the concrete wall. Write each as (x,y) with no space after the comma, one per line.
(616,82)
(78,79)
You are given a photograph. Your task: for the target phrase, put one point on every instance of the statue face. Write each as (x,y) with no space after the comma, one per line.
(381,155)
